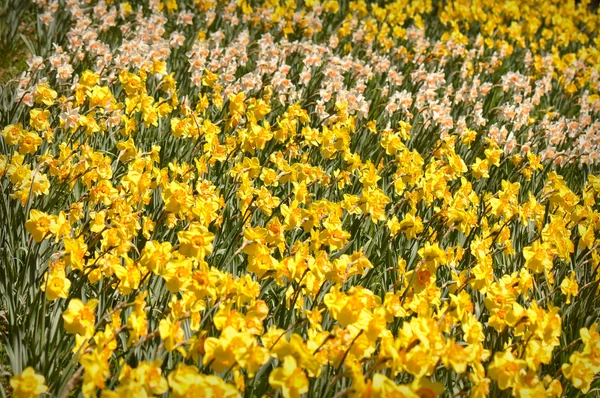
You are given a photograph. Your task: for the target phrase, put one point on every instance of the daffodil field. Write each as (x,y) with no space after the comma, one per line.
(300,198)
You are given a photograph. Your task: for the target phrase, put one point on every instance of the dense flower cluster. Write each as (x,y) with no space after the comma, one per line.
(289,198)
